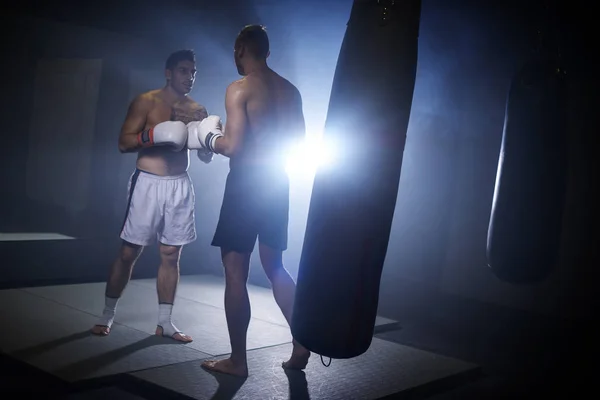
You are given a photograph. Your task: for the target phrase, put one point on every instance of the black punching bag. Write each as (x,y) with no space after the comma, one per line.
(526,219)
(353,201)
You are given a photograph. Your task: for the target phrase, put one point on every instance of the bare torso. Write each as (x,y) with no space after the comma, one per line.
(160,160)
(272,110)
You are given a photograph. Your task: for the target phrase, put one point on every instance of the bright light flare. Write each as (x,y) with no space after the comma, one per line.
(311,154)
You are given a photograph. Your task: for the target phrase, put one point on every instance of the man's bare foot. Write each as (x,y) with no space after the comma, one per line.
(178,336)
(226,367)
(296,361)
(101,330)
(299,358)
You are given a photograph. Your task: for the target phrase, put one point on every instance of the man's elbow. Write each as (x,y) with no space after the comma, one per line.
(127,146)
(123,148)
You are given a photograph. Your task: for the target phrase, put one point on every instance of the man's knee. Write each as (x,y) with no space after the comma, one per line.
(236,265)
(129,252)
(169,255)
(271,260)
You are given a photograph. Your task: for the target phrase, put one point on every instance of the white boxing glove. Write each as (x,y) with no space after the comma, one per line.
(205,155)
(169,133)
(193,142)
(207,131)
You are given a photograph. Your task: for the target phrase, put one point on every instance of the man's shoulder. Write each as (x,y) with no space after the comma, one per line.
(151,94)
(292,91)
(240,84)
(143,101)
(147,97)
(288,86)
(239,89)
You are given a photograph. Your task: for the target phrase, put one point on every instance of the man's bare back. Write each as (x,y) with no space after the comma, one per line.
(152,108)
(273,109)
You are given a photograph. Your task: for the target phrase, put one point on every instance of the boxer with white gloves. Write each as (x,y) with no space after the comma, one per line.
(161,198)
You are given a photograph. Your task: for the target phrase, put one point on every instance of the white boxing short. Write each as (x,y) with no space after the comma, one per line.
(159,208)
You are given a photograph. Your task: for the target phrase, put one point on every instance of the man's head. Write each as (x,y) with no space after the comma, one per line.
(180,71)
(251,46)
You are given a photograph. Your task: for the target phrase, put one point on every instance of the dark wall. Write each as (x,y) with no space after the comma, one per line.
(43,39)
(468,55)
(36,39)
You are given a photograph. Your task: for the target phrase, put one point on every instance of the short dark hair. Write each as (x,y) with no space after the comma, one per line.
(178,56)
(255,39)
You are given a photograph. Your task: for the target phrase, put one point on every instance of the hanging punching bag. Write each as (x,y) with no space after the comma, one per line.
(353,201)
(527,209)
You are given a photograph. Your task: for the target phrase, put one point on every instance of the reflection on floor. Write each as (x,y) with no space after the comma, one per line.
(131,359)
(30,236)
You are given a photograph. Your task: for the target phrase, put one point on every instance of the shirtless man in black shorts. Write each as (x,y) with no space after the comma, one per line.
(264,118)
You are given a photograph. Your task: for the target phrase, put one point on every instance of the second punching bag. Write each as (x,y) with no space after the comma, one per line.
(353,201)
(527,209)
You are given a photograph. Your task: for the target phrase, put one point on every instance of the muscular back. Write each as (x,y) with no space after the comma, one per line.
(275,119)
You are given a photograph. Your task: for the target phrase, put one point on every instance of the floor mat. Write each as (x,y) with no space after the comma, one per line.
(385,369)
(138,309)
(55,338)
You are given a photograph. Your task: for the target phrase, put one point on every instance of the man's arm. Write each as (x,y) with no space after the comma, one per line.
(235,106)
(134,123)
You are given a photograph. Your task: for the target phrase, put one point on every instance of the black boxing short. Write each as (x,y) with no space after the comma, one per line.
(255,205)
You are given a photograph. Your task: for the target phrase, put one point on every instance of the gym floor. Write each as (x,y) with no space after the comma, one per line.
(520,356)
(515,354)
(49,330)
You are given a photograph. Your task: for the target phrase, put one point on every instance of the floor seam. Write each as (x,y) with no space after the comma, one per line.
(213,306)
(255,318)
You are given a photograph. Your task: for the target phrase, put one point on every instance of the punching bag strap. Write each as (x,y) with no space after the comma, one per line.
(323,362)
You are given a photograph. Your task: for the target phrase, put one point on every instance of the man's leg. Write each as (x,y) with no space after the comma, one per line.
(237,313)
(166,286)
(142,218)
(179,229)
(273,241)
(236,237)
(119,276)
(284,291)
